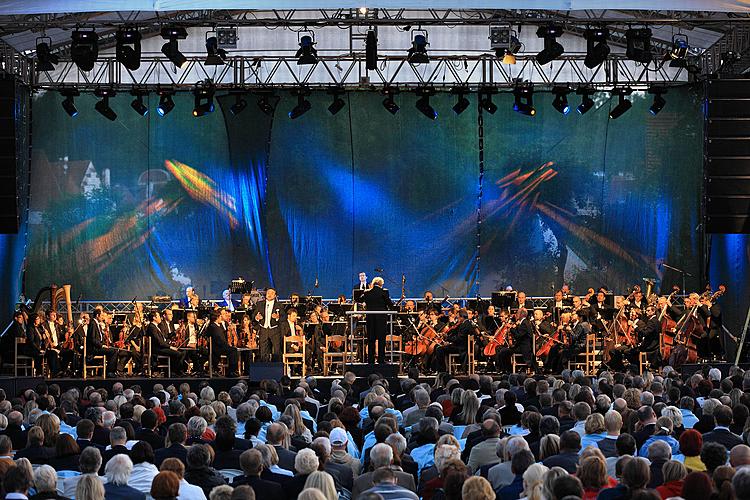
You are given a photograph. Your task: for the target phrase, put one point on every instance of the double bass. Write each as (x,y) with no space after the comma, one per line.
(668,325)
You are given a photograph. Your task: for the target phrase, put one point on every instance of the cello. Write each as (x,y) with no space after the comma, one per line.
(668,325)
(557,337)
(499,339)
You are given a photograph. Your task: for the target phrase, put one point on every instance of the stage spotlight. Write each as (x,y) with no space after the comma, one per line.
(552,48)
(45,59)
(524,100)
(485,99)
(371,50)
(68,103)
(417,54)
(302,107)
(215,56)
(388,102)
(307,54)
(638,45)
(128,48)
(680,46)
(659,101)
(84,49)
(166,104)
(102,106)
(338,103)
(505,43)
(560,103)
(423,103)
(586,101)
(239,105)
(204,98)
(137,103)
(227,38)
(597,49)
(264,104)
(171,48)
(462,103)
(623,103)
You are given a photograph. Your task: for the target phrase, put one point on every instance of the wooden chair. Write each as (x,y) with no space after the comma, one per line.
(162,362)
(223,361)
(98,362)
(292,357)
(397,350)
(23,363)
(454,359)
(643,361)
(330,356)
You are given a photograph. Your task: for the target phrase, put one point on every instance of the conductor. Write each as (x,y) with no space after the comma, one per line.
(376,299)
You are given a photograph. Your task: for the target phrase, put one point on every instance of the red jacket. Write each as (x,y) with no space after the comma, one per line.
(670,489)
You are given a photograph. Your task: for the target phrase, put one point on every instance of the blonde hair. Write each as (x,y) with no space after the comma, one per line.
(549,445)
(311,494)
(592,472)
(89,487)
(208,414)
(549,480)
(444,454)
(470,406)
(673,471)
(533,481)
(447,439)
(299,424)
(323,482)
(594,424)
(477,488)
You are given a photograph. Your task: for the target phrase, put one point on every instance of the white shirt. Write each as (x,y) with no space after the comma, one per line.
(192,335)
(269,311)
(190,492)
(142,476)
(53,332)
(292,327)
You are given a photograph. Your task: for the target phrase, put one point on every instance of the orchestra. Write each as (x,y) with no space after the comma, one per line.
(670,329)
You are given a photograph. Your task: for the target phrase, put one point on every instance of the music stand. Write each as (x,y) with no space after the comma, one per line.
(503,299)
(357,295)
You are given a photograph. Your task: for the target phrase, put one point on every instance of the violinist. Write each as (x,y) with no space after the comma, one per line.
(559,306)
(543,329)
(217,333)
(579,331)
(520,302)
(98,343)
(715,341)
(160,345)
(638,302)
(246,303)
(294,302)
(600,313)
(581,307)
(35,339)
(167,324)
(647,332)
(409,307)
(190,332)
(555,357)
(315,338)
(455,341)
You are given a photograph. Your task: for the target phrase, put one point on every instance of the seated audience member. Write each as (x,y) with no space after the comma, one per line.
(67,454)
(674,473)
(89,488)
(45,484)
(381,455)
(187,491)
(570,445)
(89,463)
(177,437)
(199,471)
(118,471)
(165,486)
(251,462)
(144,470)
(519,463)
(386,486)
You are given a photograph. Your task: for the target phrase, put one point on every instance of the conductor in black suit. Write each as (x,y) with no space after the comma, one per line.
(219,345)
(376,299)
(160,346)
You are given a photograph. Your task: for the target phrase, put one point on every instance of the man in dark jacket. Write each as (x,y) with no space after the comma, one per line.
(147,432)
(376,299)
(85,431)
(199,471)
(274,437)
(251,462)
(177,435)
(118,438)
(161,347)
(721,433)
(217,333)
(570,445)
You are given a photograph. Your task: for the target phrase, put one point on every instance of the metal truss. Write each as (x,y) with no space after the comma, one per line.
(14,63)
(349,71)
(737,41)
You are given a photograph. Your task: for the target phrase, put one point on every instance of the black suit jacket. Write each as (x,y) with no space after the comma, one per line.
(722,436)
(155,439)
(36,454)
(260,307)
(648,334)
(263,489)
(176,450)
(523,333)
(85,443)
(17,436)
(286,458)
(218,336)
(285,330)
(153,331)
(377,299)
(108,454)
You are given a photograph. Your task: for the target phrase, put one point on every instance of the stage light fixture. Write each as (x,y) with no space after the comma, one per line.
(265,105)
(552,48)
(215,56)
(423,103)
(523,102)
(597,49)
(204,98)
(102,106)
(462,103)
(417,54)
(307,54)
(371,50)
(84,49)
(485,99)
(226,38)
(504,41)
(128,48)
(638,46)
(171,48)
(338,103)
(166,104)
(623,103)
(560,103)
(659,101)
(137,103)
(68,103)
(239,104)
(388,102)
(587,102)
(303,105)
(680,46)
(45,59)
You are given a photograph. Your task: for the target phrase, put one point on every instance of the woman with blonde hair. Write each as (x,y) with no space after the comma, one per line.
(311,494)
(549,445)
(674,473)
(323,482)
(89,487)
(533,482)
(549,480)
(300,430)
(477,488)
(594,430)
(592,471)
(50,424)
(469,409)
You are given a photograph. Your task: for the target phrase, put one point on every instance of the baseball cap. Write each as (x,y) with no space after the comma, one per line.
(338,436)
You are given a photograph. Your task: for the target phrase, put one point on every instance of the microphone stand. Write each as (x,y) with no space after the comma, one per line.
(684,273)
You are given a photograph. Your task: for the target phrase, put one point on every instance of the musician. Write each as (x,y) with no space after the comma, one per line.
(580,330)
(559,306)
(160,345)
(523,339)
(313,332)
(409,307)
(362,285)
(167,326)
(554,359)
(16,330)
(600,313)
(376,299)
(185,302)
(543,329)
(489,323)
(342,300)
(34,345)
(228,303)
(638,301)
(246,303)
(267,314)
(294,303)
(55,337)
(196,354)
(96,344)
(715,341)
(455,341)
(520,302)
(647,332)
(217,332)
(582,309)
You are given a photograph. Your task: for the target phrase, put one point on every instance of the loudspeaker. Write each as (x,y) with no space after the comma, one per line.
(262,371)
(8,150)
(364,370)
(727,156)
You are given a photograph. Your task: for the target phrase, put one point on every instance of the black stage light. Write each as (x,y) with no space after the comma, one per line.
(552,48)
(338,103)
(302,107)
(68,103)
(264,104)
(638,45)
(102,106)
(680,46)
(84,49)
(388,102)
(171,48)
(204,98)
(227,37)
(524,100)
(45,59)
(371,50)
(597,49)
(307,54)
(239,105)
(137,103)
(659,101)
(423,103)
(128,48)
(505,43)
(485,99)
(166,104)
(417,54)
(560,103)
(586,101)
(623,103)
(215,56)
(462,103)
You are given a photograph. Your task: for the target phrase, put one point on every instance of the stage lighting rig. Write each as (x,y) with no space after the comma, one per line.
(68,103)
(623,103)
(102,106)
(166,104)
(485,99)
(204,98)
(417,54)
(423,103)
(597,49)
(560,103)
(226,38)
(659,101)
(137,103)
(388,102)
(638,45)
(587,103)
(45,59)
(523,102)
(303,105)
(267,102)
(84,49)
(338,103)
(215,56)
(128,48)
(462,103)
(306,54)
(504,41)
(239,104)
(171,48)
(552,48)
(371,50)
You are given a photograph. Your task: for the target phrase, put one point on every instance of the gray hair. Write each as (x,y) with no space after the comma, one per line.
(306,461)
(659,450)
(397,441)
(647,398)
(421,398)
(90,460)
(709,405)
(45,479)
(118,469)
(324,442)
(674,414)
(196,426)
(381,455)
(514,445)
(221,492)
(741,483)
(109,418)
(118,434)
(714,374)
